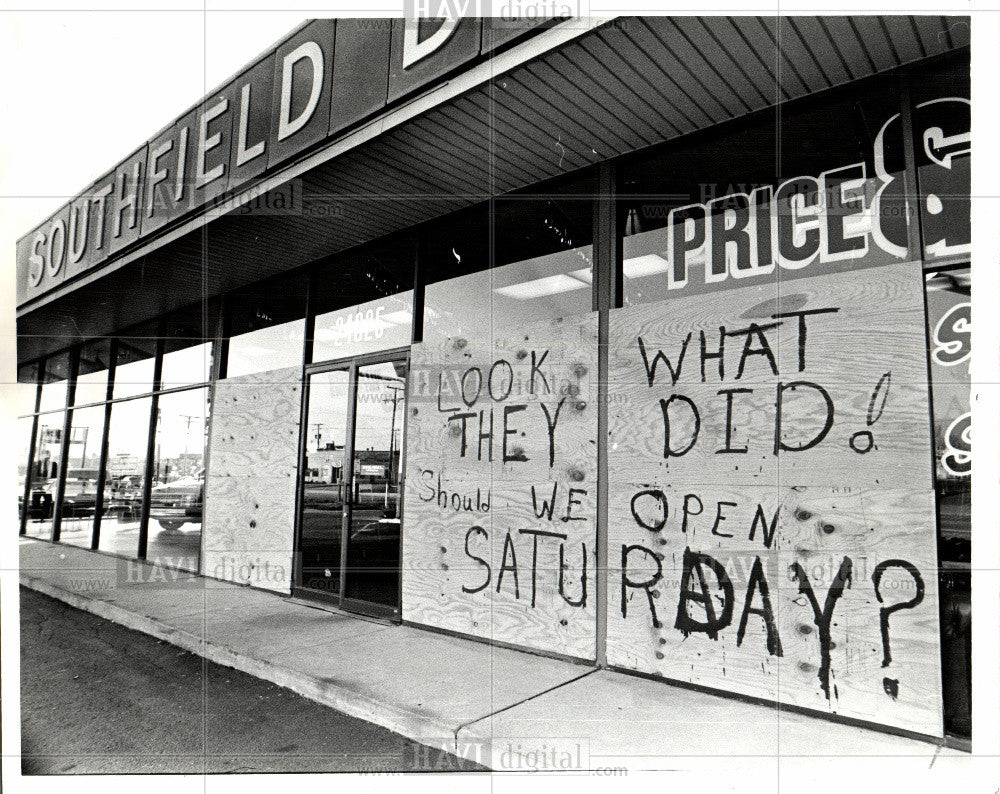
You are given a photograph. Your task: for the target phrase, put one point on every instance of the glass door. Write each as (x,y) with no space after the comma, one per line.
(373,543)
(350,484)
(323,482)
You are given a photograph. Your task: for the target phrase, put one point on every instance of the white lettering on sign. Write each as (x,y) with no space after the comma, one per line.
(360,326)
(54,253)
(100,196)
(944,164)
(156,176)
(181,162)
(957,459)
(128,198)
(286,125)
(36,261)
(806,219)
(953,336)
(845,213)
(208,142)
(78,229)
(47,252)
(415,50)
(243,154)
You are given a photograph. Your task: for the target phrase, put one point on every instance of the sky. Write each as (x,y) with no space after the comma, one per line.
(95,85)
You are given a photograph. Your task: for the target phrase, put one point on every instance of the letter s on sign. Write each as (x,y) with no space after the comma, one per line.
(36,261)
(953,336)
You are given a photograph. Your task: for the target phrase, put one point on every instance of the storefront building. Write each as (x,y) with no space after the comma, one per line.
(642,342)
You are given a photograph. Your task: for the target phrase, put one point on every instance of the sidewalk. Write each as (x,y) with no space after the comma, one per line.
(503,708)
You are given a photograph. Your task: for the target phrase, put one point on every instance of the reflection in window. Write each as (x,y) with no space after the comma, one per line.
(556,285)
(177,497)
(24,426)
(363,301)
(127,439)
(44,475)
(267,348)
(55,382)
(541,260)
(187,366)
(267,326)
(92,376)
(135,366)
(27,388)
(79,500)
(187,351)
(949,330)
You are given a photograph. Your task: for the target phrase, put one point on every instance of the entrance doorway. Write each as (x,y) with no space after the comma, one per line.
(350,483)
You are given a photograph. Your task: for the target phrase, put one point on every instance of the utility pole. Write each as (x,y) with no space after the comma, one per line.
(392,432)
(190,418)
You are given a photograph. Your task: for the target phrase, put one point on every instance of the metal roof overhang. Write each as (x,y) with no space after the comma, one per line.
(576,94)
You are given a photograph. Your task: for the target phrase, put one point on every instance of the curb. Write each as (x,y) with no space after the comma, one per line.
(411,724)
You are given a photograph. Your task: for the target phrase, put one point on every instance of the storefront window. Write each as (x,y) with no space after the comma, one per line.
(55,382)
(187,366)
(24,426)
(79,498)
(127,440)
(810,188)
(176,499)
(949,330)
(539,267)
(187,347)
(267,327)
(557,285)
(135,366)
(92,376)
(365,328)
(364,302)
(943,147)
(45,474)
(27,388)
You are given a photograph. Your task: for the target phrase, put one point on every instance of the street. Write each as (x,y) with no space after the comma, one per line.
(100,698)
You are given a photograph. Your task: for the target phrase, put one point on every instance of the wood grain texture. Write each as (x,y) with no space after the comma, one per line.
(250,489)
(825,505)
(476,581)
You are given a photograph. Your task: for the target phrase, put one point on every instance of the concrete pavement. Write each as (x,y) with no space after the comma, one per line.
(507,709)
(98,698)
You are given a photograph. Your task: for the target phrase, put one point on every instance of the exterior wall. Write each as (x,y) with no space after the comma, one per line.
(837,610)
(250,489)
(502,545)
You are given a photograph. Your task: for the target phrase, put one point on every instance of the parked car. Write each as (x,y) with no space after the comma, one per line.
(176,503)
(79,497)
(375,544)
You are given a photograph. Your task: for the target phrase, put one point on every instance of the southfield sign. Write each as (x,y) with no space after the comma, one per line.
(315,84)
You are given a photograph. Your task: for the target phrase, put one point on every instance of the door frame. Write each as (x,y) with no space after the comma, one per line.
(350,364)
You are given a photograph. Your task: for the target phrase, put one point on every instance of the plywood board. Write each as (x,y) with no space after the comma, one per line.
(778,541)
(250,491)
(499,531)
